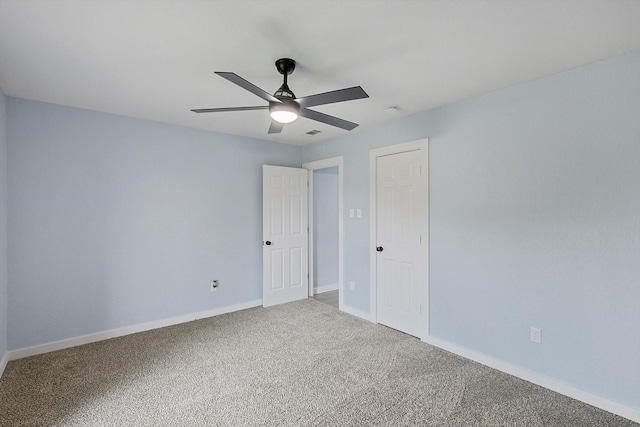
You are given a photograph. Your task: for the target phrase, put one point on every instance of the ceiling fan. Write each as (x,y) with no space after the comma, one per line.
(284,107)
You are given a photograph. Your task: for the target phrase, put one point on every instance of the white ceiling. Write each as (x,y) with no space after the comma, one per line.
(155,59)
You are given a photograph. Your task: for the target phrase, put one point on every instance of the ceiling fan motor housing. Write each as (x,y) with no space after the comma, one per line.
(284,93)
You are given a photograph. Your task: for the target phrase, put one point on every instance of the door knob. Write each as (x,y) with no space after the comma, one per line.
(379,248)
(268,243)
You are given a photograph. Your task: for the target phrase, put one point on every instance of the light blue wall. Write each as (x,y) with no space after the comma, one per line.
(3,224)
(534,221)
(325,226)
(116,221)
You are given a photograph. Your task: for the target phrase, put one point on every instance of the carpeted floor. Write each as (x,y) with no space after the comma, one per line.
(298,364)
(331,298)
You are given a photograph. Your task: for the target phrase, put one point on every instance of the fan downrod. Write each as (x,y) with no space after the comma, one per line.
(285,66)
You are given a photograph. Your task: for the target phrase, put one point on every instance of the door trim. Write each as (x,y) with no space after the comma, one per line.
(421,145)
(323,164)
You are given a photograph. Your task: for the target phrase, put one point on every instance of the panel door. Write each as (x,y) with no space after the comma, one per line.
(401,243)
(284,234)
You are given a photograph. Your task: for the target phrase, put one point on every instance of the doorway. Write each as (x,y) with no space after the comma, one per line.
(326,231)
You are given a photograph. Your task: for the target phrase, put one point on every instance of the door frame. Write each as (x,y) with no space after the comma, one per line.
(421,145)
(323,164)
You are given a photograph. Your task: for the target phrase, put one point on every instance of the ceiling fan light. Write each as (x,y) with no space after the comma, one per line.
(285,112)
(284,116)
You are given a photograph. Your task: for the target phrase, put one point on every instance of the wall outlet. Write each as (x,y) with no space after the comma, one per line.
(536,335)
(214,285)
(352,285)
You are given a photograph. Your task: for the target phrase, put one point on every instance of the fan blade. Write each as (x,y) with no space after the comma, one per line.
(218,110)
(234,78)
(341,95)
(275,127)
(325,118)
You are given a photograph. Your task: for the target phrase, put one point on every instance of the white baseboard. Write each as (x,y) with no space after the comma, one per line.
(539,379)
(325,288)
(3,362)
(358,313)
(113,333)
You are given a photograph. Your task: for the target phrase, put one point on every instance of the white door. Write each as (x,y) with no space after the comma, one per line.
(284,235)
(402,246)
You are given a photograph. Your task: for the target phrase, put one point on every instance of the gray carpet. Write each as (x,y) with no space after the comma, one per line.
(298,364)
